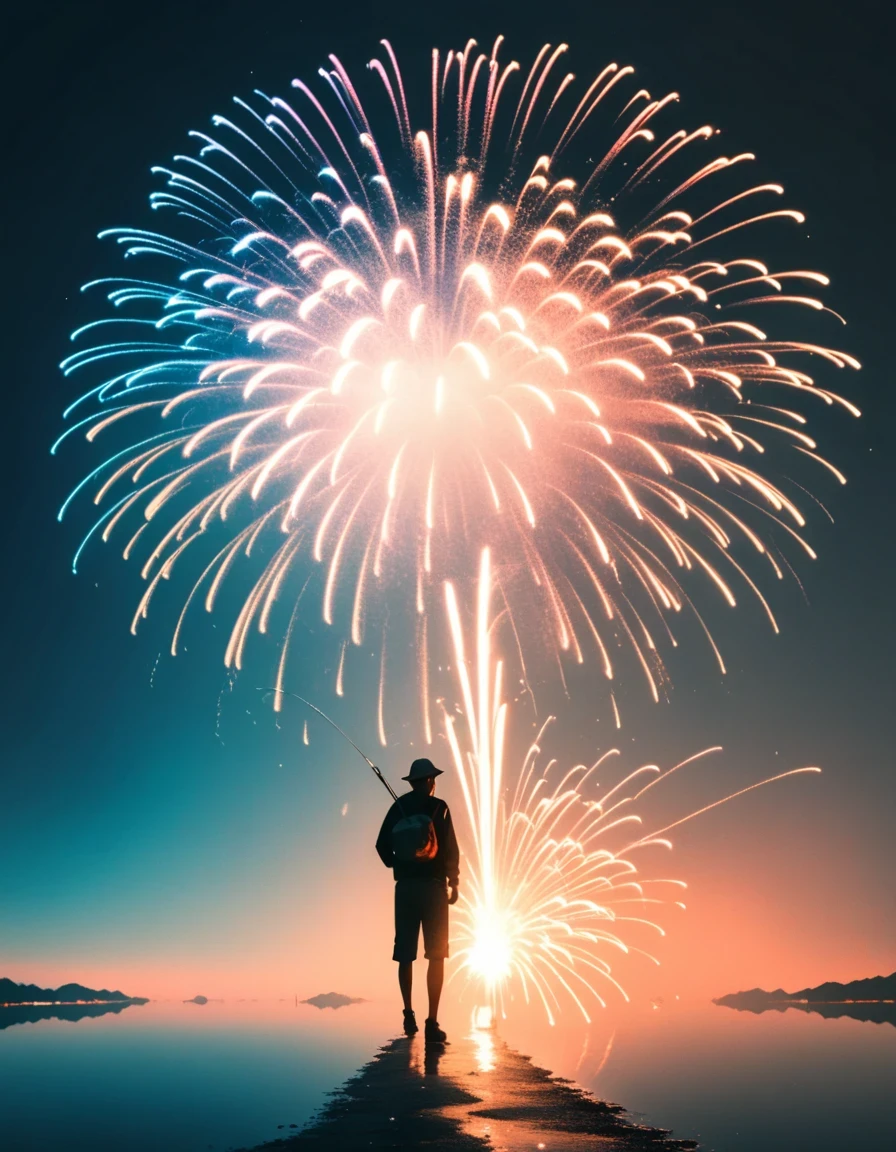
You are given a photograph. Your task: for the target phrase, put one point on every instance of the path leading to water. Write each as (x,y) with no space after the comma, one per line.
(474,1094)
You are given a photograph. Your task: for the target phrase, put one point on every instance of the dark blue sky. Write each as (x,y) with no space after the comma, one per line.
(135,828)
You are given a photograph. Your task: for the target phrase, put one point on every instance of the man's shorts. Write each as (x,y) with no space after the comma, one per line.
(420,902)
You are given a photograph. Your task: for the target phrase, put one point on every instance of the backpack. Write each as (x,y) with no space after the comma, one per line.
(414,838)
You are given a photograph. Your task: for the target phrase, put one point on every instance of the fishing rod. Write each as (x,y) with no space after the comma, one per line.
(314,708)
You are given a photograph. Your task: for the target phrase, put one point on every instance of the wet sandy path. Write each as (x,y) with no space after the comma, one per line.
(473,1094)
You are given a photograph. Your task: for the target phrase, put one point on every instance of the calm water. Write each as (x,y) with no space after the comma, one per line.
(188,1078)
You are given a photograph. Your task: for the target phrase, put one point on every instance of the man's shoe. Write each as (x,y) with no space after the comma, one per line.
(410,1022)
(433,1034)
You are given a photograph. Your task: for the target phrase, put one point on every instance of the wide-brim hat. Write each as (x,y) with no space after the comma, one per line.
(422,769)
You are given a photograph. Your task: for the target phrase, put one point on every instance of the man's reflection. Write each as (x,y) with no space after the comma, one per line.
(431,1057)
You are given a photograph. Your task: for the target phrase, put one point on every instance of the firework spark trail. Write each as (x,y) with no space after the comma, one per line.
(556,894)
(370,350)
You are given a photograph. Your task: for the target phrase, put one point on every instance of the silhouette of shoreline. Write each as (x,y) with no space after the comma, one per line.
(873,999)
(34,1013)
(12,994)
(474,1094)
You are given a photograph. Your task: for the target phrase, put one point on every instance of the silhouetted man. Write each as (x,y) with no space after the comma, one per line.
(417,842)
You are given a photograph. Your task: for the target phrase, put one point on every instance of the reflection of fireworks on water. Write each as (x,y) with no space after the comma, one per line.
(382,350)
(556,894)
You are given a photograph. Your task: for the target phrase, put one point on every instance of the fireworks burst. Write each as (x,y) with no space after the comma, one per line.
(556,893)
(367,351)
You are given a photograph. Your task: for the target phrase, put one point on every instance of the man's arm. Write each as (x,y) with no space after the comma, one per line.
(384,841)
(451,853)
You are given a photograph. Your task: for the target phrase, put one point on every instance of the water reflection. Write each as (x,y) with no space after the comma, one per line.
(875,1011)
(32,1013)
(236,1074)
(173,1076)
(484,1047)
(482,1035)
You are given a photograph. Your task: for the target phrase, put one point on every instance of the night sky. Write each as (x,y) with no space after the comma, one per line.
(157,831)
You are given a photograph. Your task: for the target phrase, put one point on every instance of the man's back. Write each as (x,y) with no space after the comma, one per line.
(444,865)
(425,887)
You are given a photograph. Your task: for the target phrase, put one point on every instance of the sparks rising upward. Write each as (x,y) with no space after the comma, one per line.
(556,895)
(367,351)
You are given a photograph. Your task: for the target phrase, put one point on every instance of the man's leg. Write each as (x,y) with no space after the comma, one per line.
(407,930)
(435,937)
(435,976)
(406,982)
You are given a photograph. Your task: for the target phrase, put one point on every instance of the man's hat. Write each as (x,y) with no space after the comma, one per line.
(422,769)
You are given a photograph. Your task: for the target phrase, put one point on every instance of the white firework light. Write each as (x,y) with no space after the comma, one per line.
(370,352)
(557,894)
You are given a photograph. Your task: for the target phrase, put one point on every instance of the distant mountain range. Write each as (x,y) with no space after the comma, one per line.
(12,993)
(876,989)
